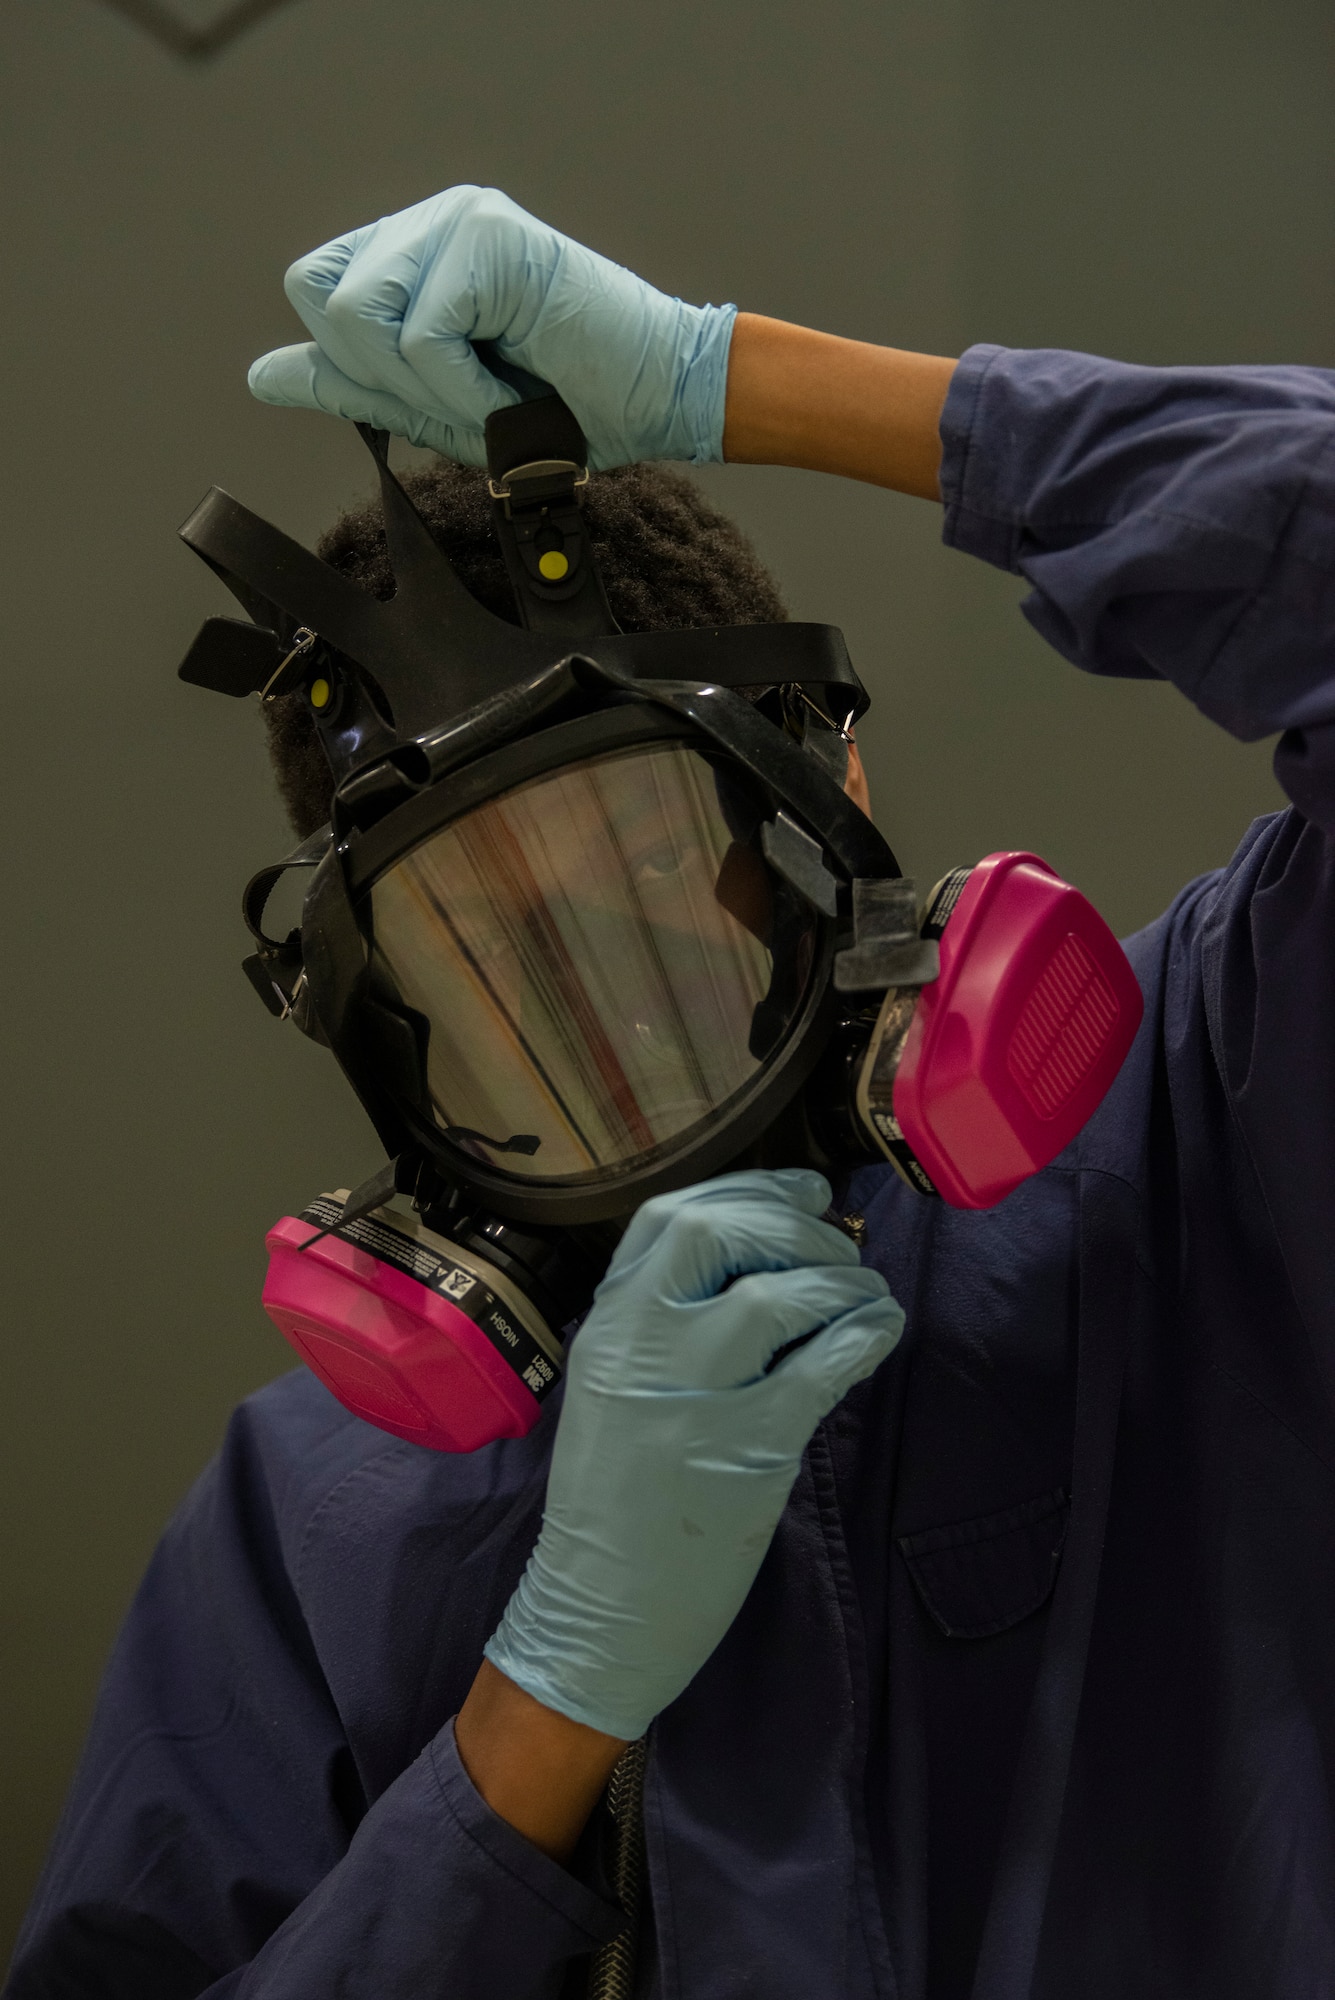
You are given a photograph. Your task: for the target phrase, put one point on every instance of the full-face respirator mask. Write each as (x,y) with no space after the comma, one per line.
(588,924)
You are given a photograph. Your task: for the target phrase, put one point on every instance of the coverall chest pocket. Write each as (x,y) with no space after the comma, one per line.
(982,1576)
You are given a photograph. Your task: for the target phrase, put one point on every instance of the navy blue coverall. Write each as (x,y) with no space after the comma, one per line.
(1035,1692)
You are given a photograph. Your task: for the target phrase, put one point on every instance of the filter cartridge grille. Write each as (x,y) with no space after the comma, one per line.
(1063,1028)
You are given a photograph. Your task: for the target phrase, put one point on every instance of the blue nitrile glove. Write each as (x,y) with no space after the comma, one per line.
(675,1450)
(392,310)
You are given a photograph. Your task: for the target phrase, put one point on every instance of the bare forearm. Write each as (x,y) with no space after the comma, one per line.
(808,399)
(537,1769)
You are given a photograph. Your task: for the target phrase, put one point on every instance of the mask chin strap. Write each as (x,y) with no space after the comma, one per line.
(537,460)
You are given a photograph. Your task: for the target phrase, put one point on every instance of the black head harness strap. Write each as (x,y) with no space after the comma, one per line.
(392,671)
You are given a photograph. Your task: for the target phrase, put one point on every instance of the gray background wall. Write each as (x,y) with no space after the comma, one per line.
(1151,180)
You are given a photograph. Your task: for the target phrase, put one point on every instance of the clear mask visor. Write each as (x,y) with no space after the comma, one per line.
(600,961)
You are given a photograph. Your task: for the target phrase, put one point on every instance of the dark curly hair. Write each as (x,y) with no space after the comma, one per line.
(667,558)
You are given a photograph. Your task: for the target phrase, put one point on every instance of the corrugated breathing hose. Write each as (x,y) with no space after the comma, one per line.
(612,1971)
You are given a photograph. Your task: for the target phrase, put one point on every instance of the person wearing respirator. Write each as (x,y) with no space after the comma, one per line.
(981,1684)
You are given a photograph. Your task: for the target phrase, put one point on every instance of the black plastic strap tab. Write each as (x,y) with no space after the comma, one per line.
(889,949)
(231,656)
(529,433)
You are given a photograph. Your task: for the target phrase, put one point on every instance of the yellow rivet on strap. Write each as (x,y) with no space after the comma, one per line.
(553,565)
(320,692)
